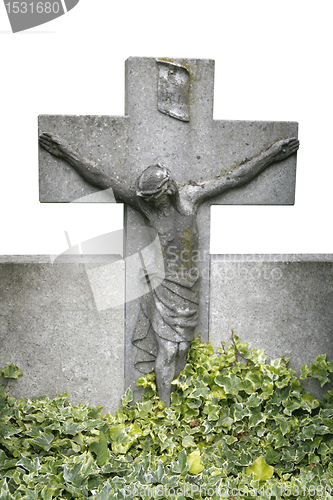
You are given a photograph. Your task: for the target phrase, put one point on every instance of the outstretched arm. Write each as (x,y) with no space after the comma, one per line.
(245,172)
(89,170)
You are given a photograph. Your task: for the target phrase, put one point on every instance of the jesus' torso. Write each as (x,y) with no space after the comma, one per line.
(178,236)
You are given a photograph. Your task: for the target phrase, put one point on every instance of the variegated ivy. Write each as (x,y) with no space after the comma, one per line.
(237,427)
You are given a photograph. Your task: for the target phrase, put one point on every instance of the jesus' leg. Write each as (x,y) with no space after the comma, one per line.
(183,348)
(165,367)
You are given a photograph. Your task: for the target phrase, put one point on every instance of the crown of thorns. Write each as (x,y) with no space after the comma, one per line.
(152,180)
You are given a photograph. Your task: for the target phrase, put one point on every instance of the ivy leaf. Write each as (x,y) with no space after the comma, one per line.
(272,456)
(100,448)
(213,411)
(289,454)
(255,378)
(105,494)
(308,432)
(304,372)
(256,418)
(121,440)
(290,405)
(283,424)
(240,412)
(267,390)
(226,421)
(199,392)
(246,386)
(309,402)
(11,371)
(283,381)
(29,495)
(258,357)
(144,409)
(230,383)
(254,401)
(159,473)
(188,441)
(127,397)
(180,466)
(230,439)
(320,369)
(244,459)
(4,491)
(194,463)
(47,493)
(279,439)
(326,413)
(32,466)
(44,440)
(72,476)
(71,428)
(260,470)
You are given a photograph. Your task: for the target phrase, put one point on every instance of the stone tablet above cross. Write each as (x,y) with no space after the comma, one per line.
(194,161)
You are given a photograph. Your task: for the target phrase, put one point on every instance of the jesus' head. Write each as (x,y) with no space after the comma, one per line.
(154,182)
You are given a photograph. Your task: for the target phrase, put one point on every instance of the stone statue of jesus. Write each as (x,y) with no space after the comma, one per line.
(169,312)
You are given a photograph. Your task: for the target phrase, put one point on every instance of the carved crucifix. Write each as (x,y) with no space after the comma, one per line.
(168,160)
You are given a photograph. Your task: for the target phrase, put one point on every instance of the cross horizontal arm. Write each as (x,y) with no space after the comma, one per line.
(89,170)
(244,172)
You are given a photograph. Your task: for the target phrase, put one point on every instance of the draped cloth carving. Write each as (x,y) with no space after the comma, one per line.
(170,311)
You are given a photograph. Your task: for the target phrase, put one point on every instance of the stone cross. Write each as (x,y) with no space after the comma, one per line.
(168,121)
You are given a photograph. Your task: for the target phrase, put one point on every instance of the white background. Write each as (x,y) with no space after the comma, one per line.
(273,61)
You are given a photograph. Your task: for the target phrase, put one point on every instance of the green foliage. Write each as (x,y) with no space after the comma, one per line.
(237,427)
(194,462)
(260,470)
(10,371)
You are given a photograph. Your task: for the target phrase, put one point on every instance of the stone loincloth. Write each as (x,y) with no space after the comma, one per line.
(169,311)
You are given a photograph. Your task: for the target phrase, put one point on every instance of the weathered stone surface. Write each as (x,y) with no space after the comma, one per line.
(51,328)
(282,304)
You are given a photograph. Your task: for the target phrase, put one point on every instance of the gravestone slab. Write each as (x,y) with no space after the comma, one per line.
(280,303)
(50,327)
(168,120)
